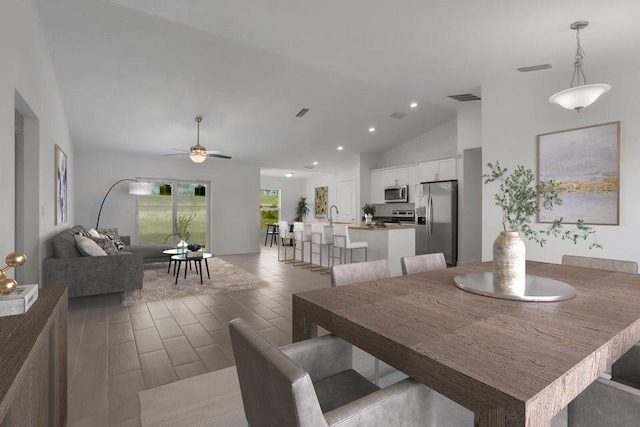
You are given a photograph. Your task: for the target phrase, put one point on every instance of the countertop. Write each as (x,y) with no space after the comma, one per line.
(363,226)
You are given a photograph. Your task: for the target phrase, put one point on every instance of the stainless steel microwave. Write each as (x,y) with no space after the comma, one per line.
(396,194)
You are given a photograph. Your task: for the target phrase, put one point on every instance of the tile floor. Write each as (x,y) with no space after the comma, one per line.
(116,351)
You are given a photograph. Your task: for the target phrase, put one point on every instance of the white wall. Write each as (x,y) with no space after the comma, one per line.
(514,111)
(437,143)
(347,171)
(235,196)
(291,189)
(26,68)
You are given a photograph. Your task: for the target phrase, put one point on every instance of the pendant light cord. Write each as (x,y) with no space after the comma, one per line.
(577,65)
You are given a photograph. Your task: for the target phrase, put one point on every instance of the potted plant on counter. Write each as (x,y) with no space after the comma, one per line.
(369,211)
(521,199)
(302,209)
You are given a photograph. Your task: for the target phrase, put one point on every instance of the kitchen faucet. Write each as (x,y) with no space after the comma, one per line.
(330,210)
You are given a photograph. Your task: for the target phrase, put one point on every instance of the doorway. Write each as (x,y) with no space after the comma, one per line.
(27,190)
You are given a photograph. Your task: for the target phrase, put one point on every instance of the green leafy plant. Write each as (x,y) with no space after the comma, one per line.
(181,227)
(369,209)
(521,198)
(302,209)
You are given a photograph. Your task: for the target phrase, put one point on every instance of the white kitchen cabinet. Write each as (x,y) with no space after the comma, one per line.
(414,179)
(376,186)
(397,176)
(439,170)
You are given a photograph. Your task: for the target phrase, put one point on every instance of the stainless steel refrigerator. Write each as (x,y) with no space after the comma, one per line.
(437,219)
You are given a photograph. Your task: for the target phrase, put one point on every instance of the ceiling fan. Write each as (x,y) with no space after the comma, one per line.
(198,153)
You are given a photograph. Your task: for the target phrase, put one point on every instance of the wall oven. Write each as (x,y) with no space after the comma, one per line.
(396,194)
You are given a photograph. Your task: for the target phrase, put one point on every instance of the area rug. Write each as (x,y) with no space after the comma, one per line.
(158,284)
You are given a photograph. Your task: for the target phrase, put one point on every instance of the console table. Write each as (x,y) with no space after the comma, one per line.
(33,363)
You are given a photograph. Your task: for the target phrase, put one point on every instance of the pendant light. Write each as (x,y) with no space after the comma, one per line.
(580,94)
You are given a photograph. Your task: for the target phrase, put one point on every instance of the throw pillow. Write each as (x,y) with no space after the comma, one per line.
(84,233)
(106,244)
(88,247)
(112,233)
(93,233)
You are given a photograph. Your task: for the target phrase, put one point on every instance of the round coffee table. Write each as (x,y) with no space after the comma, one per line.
(171,252)
(179,259)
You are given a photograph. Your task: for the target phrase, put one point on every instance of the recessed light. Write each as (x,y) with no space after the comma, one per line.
(340,147)
(413,105)
(288,174)
(315,163)
(372,129)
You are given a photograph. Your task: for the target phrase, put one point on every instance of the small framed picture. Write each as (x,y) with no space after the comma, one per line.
(61,175)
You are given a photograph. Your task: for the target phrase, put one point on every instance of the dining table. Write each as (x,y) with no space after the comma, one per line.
(513,363)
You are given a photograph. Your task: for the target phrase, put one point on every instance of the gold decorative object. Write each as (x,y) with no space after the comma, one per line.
(7,284)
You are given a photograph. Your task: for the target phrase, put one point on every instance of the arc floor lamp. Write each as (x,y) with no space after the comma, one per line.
(136,188)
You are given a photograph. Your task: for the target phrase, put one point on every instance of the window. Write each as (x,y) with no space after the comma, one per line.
(269,206)
(158,211)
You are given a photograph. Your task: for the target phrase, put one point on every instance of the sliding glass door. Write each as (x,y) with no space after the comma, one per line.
(157,212)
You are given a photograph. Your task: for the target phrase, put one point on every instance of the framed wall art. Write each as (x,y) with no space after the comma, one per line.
(585,162)
(322,199)
(61,174)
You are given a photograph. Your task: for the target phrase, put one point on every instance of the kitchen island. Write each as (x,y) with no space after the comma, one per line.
(391,243)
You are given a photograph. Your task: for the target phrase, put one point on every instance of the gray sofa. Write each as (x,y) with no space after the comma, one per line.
(96,275)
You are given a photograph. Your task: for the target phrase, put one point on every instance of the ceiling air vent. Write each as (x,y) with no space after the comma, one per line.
(534,68)
(397,115)
(308,167)
(465,97)
(302,112)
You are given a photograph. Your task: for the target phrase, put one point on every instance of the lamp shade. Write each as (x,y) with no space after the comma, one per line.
(198,156)
(140,188)
(578,97)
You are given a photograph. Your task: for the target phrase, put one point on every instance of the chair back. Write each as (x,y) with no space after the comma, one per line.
(340,235)
(346,274)
(284,230)
(299,232)
(320,235)
(275,390)
(601,263)
(422,263)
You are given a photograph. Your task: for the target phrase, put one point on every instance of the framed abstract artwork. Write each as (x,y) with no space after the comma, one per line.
(585,163)
(322,199)
(61,185)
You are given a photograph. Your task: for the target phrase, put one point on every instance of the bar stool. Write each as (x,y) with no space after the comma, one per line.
(342,241)
(300,237)
(322,236)
(284,234)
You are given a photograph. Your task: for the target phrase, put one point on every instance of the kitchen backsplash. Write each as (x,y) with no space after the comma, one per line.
(385,209)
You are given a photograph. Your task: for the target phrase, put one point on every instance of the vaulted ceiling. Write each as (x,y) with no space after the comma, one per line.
(134,73)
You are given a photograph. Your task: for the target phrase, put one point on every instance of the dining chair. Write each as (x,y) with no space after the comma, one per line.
(285,236)
(615,401)
(321,236)
(300,237)
(601,263)
(342,241)
(422,263)
(312,383)
(347,274)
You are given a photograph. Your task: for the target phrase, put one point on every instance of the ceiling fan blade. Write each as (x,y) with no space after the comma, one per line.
(181,154)
(179,149)
(220,156)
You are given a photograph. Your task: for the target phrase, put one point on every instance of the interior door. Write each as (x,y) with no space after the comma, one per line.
(346,202)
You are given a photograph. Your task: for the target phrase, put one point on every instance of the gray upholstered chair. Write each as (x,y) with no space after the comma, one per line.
(347,274)
(601,263)
(614,402)
(611,403)
(422,263)
(311,383)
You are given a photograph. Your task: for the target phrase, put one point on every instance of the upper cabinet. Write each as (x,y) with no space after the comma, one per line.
(377,184)
(440,170)
(398,176)
(414,179)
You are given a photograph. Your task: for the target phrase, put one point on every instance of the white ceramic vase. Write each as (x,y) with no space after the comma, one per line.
(368,219)
(182,247)
(509,263)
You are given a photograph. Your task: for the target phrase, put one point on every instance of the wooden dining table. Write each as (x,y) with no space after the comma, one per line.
(512,363)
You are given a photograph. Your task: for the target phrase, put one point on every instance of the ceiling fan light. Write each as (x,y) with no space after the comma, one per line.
(578,97)
(198,156)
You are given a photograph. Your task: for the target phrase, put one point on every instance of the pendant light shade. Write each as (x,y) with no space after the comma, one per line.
(578,97)
(580,94)
(140,188)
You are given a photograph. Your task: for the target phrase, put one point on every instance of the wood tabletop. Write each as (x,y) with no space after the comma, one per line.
(513,363)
